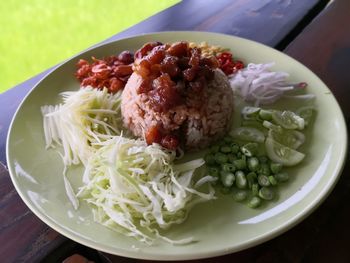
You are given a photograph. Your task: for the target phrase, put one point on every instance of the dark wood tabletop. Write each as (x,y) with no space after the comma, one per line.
(314,32)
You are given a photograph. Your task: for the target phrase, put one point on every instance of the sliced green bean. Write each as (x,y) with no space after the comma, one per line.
(263,180)
(225,149)
(273,180)
(264,169)
(221,158)
(253,164)
(243,173)
(282,177)
(251,179)
(254,202)
(241,180)
(276,167)
(255,189)
(228,167)
(240,164)
(213,171)
(231,157)
(234,147)
(266,193)
(227,178)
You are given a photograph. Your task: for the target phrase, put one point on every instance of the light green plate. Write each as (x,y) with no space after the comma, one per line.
(222,226)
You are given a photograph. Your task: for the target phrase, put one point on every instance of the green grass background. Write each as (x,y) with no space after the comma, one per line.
(37,34)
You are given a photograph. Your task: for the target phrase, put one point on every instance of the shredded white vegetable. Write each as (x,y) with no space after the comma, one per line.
(258,84)
(140,198)
(133,187)
(86,116)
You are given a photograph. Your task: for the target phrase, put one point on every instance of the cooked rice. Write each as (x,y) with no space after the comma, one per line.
(201,125)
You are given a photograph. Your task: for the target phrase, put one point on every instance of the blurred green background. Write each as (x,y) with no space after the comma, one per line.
(37,34)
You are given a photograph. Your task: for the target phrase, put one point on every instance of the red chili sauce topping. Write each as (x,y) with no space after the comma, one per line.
(111,72)
(227,64)
(172,75)
(171,72)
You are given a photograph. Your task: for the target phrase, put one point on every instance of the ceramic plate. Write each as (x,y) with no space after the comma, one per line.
(221,226)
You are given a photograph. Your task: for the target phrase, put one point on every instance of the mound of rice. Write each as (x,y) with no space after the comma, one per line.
(199,125)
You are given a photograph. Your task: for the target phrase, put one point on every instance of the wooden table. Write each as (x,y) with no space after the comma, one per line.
(314,32)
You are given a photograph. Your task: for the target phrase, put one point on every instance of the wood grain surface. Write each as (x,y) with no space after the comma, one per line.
(23,237)
(324,47)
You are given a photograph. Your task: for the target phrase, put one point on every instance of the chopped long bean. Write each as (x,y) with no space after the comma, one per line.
(254,202)
(273,180)
(221,158)
(231,157)
(255,189)
(264,169)
(228,167)
(225,149)
(234,148)
(242,172)
(251,179)
(282,177)
(253,164)
(241,180)
(213,171)
(276,167)
(263,180)
(240,164)
(227,178)
(266,193)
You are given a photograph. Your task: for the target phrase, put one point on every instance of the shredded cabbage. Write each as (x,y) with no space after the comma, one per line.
(135,188)
(87,116)
(257,83)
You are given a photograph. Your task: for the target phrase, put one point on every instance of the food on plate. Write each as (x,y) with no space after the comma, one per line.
(111,72)
(225,58)
(208,50)
(85,117)
(258,84)
(138,116)
(244,172)
(250,162)
(176,97)
(136,189)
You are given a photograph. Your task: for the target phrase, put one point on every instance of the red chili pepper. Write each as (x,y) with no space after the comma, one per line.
(227,63)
